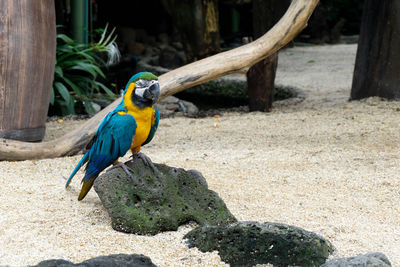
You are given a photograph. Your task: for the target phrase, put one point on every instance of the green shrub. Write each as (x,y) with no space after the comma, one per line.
(77,69)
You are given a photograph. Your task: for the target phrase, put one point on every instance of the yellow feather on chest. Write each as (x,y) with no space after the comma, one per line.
(143,122)
(143,119)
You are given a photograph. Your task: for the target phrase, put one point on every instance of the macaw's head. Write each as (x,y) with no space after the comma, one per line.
(142,90)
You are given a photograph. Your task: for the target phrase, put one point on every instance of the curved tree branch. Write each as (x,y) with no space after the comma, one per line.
(233,61)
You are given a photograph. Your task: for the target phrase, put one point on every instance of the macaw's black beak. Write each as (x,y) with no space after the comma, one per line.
(153,92)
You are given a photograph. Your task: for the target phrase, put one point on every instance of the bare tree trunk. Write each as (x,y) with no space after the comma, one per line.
(260,83)
(233,61)
(376,71)
(261,76)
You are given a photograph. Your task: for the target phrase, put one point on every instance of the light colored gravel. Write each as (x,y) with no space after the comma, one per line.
(327,165)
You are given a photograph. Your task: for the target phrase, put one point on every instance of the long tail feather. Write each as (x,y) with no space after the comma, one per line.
(86,187)
(81,162)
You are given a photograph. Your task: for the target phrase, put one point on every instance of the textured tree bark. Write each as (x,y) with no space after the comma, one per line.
(27,56)
(261,76)
(197,22)
(376,71)
(260,83)
(177,80)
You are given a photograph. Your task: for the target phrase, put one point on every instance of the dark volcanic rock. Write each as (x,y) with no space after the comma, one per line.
(116,260)
(51,263)
(251,243)
(374,259)
(161,201)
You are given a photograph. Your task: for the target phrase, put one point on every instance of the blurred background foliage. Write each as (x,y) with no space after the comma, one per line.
(76,88)
(349,10)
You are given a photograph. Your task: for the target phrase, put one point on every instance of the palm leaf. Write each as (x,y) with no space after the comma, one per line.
(76,70)
(63,91)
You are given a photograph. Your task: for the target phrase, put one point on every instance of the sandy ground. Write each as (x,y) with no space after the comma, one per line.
(325,164)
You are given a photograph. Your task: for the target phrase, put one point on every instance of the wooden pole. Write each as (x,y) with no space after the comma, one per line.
(261,83)
(261,76)
(233,61)
(27,59)
(376,71)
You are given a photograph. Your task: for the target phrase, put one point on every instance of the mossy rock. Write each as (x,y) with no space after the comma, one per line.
(251,243)
(161,201)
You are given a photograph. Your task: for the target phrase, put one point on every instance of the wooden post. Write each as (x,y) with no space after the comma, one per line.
(27,59)
(377,67)
(260,84)
(261,76)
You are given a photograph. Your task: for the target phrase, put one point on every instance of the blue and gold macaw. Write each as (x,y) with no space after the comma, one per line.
(130,125)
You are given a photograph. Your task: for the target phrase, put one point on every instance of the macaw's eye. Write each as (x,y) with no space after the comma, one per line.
(141,83)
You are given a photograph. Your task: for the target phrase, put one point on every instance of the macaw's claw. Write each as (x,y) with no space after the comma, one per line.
(126,169)
(146,160)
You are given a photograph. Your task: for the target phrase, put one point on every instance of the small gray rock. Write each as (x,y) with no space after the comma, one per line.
(172,106)
(373,259)
(161,201)
(251,243)
(115,260)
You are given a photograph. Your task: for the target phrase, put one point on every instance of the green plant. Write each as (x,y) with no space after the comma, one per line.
(78,66)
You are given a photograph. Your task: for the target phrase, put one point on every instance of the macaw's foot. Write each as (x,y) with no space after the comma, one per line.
(126,169)
(146,160)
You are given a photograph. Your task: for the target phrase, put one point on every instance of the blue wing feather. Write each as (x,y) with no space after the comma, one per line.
(112,140)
